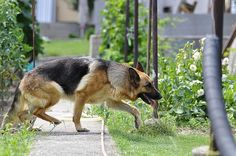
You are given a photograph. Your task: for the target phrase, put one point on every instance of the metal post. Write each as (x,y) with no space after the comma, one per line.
(126,47)
(218,18)
(149,38)
(154,38)
(230,40)
(135,32)
(33,29)
(218,21)
(155,51)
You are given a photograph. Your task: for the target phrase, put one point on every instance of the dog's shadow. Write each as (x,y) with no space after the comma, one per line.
(59,133)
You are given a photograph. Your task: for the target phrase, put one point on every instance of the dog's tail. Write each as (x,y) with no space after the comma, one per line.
(11,116)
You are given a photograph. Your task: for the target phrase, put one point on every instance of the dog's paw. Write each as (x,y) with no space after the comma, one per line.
(57,122)
(35,129)
(82,130)
(138,122)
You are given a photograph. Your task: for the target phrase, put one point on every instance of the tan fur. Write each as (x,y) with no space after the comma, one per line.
(112,86)
(37,95)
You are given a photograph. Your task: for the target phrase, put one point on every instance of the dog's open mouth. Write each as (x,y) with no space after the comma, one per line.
(150,98)
(147,99)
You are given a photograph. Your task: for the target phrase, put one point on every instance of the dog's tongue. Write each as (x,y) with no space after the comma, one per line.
(153,102)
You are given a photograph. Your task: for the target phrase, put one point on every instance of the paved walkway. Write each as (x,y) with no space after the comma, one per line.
(63,140)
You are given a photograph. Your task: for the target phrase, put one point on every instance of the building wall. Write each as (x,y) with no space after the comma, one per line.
(59,30)
(46,11)
(65,13)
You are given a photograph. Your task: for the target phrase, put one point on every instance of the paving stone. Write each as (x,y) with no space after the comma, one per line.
(63,140)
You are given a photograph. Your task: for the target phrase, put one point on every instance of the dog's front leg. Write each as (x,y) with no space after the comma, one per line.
(119,105)
(78,108)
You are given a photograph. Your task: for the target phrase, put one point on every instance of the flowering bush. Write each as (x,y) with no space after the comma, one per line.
(229,90)
(181,84)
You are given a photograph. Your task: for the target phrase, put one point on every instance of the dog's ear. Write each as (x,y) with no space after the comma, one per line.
(139,67)
(134,78)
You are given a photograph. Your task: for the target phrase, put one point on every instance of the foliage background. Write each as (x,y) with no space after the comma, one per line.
(12,47)
(24,20)
(180,76)
(113,32)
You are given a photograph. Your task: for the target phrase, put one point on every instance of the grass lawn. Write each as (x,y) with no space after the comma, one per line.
(141,145)
(16,143)
(131,142)
(71,47)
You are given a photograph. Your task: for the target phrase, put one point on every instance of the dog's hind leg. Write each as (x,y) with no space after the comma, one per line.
(119,105)
(40,112)
(25,116)
(43,98)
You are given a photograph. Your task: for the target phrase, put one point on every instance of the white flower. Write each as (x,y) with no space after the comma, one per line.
(224,77)
(198,74)
(196,56)
(178,69)
(195,82)
(200,92)
(185,56)
(193,67)
(225,61)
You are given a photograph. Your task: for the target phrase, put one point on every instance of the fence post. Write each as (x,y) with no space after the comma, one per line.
(135,32)
(126,47)
(149,38)
(155,42)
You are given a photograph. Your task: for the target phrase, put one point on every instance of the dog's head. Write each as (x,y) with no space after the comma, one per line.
(143,84)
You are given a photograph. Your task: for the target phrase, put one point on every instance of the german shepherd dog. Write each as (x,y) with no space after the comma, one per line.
(85,80)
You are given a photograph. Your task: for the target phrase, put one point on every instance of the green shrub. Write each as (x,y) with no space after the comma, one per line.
(113,32)
(12,48)
(181,85)
(180,77)
(229,91)
(24,20)
(73,35)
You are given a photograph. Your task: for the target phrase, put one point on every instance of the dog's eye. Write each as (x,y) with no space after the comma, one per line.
(148,85)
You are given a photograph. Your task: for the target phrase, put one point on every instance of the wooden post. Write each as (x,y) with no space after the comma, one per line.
(135,32)
(126,47)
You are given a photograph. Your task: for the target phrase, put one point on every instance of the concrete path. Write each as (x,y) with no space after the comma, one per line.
(63,140)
